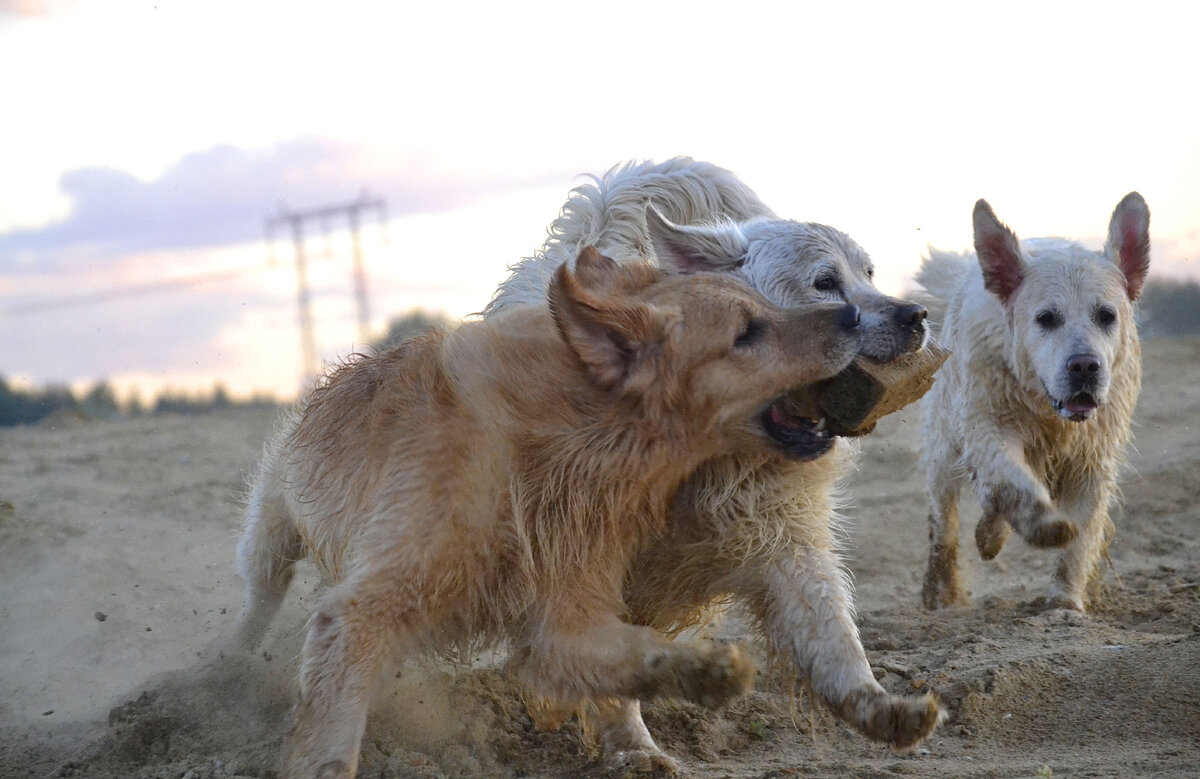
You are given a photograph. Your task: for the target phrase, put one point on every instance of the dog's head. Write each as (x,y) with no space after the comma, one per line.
(796,264)
(1068,310)
(704,350)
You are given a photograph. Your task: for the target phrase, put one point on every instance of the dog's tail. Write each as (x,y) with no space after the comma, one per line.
(609,212)
(942,273)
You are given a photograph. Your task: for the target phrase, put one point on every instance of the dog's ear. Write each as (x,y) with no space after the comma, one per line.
(1129,241)
(999,253)
(609,334)
(695,248)
(593,269)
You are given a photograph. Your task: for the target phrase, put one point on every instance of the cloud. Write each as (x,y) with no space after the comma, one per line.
(222,196)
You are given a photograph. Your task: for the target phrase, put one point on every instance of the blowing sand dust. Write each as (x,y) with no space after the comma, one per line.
(116,577)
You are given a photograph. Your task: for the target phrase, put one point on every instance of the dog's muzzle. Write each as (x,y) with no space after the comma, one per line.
(1084,377)
(800,437)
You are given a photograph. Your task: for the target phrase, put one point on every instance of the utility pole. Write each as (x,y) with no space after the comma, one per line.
(324,214)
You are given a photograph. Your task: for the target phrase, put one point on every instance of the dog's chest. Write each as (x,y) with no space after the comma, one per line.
(1065,455)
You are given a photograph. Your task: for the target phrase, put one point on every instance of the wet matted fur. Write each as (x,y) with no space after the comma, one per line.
(492,484)
(758,529)
(1034,405)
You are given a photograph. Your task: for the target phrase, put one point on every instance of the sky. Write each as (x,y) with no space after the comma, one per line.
(144,146)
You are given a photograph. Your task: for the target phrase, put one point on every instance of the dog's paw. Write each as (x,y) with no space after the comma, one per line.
(639,762)
(1038,522)
(725,674)
(706,673)
(902,721)
(991,534)
(1055,614)
(1065,602)
(1052,531)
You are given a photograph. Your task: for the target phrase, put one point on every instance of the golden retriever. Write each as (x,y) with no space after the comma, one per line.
(1034,405)
(757,528)
(494,483)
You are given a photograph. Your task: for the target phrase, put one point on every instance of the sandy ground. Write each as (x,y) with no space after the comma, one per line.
(116,548)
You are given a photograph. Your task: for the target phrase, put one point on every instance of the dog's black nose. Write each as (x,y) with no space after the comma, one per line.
(849,318)
(1083,364)
(911,315)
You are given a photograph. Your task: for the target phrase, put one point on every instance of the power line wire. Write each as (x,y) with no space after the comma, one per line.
(117,293)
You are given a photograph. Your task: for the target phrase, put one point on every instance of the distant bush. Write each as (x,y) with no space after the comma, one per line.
(176,402)
(407,325)
(1170,308)
(21,407)
(100,402)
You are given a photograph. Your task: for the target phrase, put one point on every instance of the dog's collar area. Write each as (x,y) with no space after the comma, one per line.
(801,438)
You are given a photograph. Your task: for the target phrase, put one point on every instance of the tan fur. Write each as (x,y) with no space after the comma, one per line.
(757,529)
(493,484)
(996,416)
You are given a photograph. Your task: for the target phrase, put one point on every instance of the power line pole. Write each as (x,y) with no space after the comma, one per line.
(295,220)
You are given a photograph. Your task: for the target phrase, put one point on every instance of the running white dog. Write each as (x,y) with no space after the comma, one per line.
(758,529)
(1034,404)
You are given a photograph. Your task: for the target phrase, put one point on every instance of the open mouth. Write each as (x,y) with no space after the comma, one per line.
(1078,407)
(800,437)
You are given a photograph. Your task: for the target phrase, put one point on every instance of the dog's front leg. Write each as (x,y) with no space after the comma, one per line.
(615,725)
(942,585)
(575,655)
(1079,563)
(804,601)
(576,658)
(1012,496)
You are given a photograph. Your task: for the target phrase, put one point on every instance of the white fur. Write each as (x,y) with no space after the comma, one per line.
(996,417)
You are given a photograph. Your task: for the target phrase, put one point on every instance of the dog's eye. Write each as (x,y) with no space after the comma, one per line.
(751,334)
(870,273)
(1105,316)
(1047,320)
(826,283)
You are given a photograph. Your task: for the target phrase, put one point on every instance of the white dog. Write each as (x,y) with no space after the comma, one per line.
(756,529)
(1034,404)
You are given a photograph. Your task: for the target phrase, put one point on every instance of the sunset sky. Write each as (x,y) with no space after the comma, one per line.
(145,144)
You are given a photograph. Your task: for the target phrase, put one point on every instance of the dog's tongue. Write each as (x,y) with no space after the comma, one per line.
(1081,405)
(786,420)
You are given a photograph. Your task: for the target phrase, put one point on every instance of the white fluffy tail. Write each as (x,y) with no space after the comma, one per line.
(610,214)
(942,273)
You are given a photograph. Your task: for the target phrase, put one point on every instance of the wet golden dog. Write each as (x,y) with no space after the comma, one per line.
(494,483)
(756,529)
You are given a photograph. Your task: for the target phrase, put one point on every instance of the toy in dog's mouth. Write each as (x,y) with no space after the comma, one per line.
(1079,407)
(806,422)
(802,436)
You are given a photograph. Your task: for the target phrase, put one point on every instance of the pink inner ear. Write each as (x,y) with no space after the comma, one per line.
(1133,257)
(1002,271)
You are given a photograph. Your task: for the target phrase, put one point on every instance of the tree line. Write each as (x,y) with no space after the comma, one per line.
(1167,308)
(30,406)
